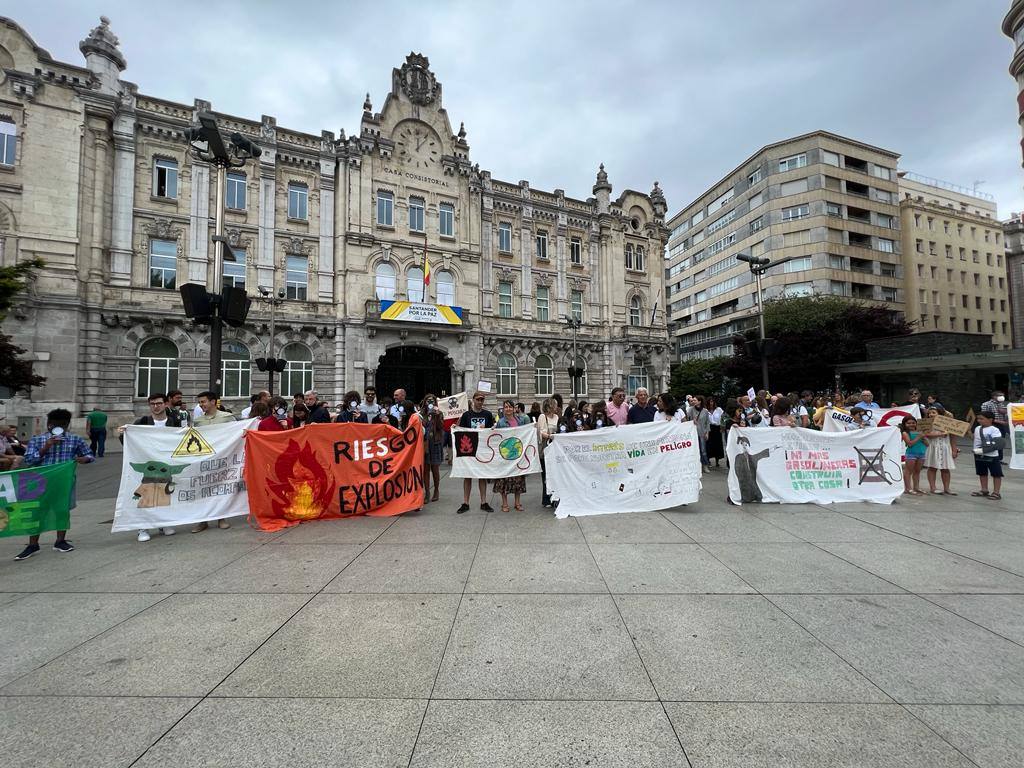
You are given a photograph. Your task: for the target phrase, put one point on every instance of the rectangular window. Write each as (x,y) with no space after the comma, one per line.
(829,158)
(794,187)
(446,222)
(887,294)
(165,179)
(505,237)
(949,251)
(296,277)
(576,305)
(882,196)
(793,162)
(385,209)
(800,237)
(163,260)
(720,223)
(756,224)
(796,212)
(720,202)
(542,244)
(298,202)
(504,299)
(234,274)
(835,261)
(837,288)
(698,237)
(798,289)
(834,209)
(798,265)
(8,142)
(881,173)
(416,214)
(236,191)
(723,287)
(702,315)
(543,310)
(886,246)
(576,250)
(754,177)
(833,183)
(698,217)
(757,200)
(885,221)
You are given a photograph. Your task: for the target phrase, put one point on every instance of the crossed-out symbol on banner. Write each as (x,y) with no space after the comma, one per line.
(871,461)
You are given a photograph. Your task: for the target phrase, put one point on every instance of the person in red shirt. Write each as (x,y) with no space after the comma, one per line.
(277,420)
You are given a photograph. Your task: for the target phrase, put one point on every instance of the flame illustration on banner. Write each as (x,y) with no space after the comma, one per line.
(302,488)
(466,445)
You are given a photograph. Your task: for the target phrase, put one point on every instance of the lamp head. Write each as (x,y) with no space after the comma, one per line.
(264,291)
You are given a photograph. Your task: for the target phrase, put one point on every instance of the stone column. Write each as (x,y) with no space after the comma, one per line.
(325,262)
(265,266)
(199,224)
(123,197)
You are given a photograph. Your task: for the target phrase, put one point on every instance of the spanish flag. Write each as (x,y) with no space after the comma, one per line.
(426,269)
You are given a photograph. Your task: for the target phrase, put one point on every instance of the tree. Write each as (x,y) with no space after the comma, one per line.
(15,373)
(814,335)
(703,377)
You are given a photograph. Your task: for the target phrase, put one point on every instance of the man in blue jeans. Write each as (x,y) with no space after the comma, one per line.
(96,425)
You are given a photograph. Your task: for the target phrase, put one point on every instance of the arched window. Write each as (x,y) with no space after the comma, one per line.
(414,284)
(386,281)
(158,368)
(508,374)
(581,382)
(544,376)
(8,141)
(445,288)
(635,311)
(298,373)
(235,370)
(638,262)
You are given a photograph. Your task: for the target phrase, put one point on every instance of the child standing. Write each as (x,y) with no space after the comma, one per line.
(987,445)
(940,457)
(913,455)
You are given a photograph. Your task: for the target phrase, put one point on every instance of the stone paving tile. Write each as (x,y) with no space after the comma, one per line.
(49,567)
(83,732)
(924,525)
(808,736)
(182,647)
(730,526)
(531,526)
(435,527)
(369,646)
(919,567)
(287,568)
(541,647)
(1003,614)
(814,524)
(298,733)
(351,530)
(797,568)
(548,568)
(542,734)
(40,627)
(915,651)
(1006,554)
(665,568)
(990,736)
(735,648)
(407,568)
(634,528)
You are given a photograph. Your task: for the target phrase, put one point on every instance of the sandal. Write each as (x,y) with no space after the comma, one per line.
(949,493)
(995,496)
(504,507)
(979,493)
(519,507)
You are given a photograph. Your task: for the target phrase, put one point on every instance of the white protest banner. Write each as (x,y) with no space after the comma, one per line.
(790,465)
(633,468)
(839,420)
(1015,416)
(489,454)
(452,408)
(175,477)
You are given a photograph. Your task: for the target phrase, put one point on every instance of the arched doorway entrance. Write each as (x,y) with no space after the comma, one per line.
(417,370)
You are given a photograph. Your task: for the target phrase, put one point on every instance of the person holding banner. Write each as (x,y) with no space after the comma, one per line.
(547,428)
(514,485)
(55,446)
(277,419)
(666,409)
(916,446)
(477,417)
(940,457)
(370,406)
(433,438)
(349,410)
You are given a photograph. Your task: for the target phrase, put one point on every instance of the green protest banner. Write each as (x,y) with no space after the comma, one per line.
(36,499)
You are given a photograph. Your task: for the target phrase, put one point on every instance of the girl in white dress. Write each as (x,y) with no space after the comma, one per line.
(940,456)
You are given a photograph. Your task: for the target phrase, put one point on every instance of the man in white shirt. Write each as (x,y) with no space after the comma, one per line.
(263,395)
(986,459)
(396,404)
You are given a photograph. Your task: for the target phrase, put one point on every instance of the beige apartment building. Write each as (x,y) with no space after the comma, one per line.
(953,259)
(827,204)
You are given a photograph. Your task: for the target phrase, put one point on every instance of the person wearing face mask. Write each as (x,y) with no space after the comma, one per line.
(433,441)
(277,419)
(1001,421)
(349,412)
(599,418)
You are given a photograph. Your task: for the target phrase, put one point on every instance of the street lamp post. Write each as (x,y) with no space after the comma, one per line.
(574,372)
(207,144)
(758,266)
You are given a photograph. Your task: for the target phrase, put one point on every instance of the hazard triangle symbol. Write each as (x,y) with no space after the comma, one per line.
(192,444)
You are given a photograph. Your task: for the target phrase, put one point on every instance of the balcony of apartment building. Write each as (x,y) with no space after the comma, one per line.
(855,164)
(859,240)
(857,189)
(863,215)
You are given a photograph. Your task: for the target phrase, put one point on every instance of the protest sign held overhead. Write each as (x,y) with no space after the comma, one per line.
(803,466)
(490,454)
(632,468)
(452,408)
(840,420)
(172,477)
(327,471)
(36,500)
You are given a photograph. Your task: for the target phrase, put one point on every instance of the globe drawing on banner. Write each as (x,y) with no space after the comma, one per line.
(511,448)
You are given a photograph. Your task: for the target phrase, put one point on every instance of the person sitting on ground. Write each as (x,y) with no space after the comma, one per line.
(988,445)
(350,412)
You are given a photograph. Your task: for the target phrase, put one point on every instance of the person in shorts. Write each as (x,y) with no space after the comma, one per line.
(987,455)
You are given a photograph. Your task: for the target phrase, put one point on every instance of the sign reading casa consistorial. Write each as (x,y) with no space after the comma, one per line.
(403,262)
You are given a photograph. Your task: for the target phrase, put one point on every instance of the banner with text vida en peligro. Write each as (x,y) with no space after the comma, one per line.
(490,454)
(176,476)
(791,465)
(840,420)
(1015,416)
(324,471)
(632,468)
(36,499)
(452,408)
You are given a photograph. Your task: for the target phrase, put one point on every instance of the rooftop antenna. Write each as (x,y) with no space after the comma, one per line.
(977,183)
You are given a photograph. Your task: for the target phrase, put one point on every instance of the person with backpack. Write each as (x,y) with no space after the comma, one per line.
(988,444)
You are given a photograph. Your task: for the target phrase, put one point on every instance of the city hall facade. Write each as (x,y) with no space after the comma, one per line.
(97,181)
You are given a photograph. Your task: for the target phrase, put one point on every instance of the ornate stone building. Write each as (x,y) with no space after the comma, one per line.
(96,180)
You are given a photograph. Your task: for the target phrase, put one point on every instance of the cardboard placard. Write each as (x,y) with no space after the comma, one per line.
(950,426)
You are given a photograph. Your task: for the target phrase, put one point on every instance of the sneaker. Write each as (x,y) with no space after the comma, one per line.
(485,507)
(200,527)
(63,546)
(461,509)
(144,535)
(27,552)
(167,531)
(222,523)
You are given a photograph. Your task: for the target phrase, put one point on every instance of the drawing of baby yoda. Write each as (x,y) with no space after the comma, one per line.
(157,483)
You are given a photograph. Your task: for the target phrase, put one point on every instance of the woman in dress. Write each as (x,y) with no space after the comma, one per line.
(513,485)
(547,427)
(940,456)
(715,444)
(433,441)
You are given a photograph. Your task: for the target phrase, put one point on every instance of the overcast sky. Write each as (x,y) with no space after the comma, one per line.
(680,92)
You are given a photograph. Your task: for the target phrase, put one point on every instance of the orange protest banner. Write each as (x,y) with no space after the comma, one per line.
(324,471)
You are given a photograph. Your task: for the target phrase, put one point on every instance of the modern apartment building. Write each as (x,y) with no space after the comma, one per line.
(953,259)
(1013,237)
(826,203)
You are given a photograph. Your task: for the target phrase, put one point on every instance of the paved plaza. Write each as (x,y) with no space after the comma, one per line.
(706,636)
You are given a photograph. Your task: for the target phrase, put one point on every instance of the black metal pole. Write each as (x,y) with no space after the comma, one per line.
(217,324)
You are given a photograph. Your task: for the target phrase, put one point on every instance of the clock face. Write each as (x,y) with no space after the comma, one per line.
(417,147)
